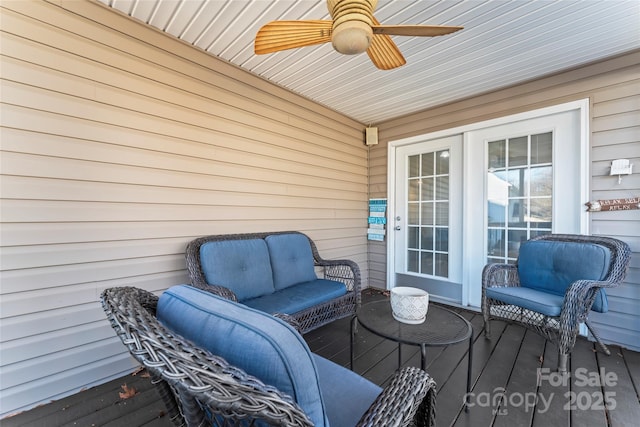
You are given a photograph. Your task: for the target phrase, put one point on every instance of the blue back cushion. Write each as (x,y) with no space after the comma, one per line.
(291,259)
(551,266)
(240,265)
(259,344)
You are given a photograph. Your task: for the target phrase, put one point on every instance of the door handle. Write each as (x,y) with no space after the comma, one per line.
(397,227)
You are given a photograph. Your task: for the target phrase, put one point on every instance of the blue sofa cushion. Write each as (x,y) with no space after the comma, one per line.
(240,265)
(258,343)
(552,266)
(299,297)
(339,386)
(291,259)
(543,302)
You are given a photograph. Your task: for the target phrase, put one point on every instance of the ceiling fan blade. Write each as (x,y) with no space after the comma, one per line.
(414,30)
(384,53)
(281,35)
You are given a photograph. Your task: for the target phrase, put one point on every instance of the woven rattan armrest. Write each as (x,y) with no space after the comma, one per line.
(409,397)
(500,275)
(289,319)
(220,291)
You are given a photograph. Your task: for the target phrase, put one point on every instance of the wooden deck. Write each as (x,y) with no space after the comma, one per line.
(514,383)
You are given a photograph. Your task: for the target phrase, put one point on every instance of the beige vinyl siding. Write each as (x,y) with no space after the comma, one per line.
(119,145)
(613,87)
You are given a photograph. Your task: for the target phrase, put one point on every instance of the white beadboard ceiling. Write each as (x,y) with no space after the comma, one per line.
(504,42)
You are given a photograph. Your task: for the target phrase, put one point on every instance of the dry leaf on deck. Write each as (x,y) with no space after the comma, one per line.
(127,392)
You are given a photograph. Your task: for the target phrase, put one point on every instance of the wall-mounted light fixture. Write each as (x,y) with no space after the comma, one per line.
(621,167)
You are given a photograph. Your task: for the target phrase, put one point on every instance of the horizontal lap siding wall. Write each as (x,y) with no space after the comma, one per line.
(613,87)
(119,145)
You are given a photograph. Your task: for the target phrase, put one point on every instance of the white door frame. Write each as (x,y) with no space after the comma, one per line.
(583,108)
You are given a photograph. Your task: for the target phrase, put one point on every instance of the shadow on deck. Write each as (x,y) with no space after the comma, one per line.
(514,382)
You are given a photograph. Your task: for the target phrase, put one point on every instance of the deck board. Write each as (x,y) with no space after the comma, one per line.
(507,363)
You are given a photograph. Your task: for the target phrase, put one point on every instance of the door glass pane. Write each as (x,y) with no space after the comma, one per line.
(414,166)
(412,261)
(517,182)
(516,237)
(517,149)
(413,190)
(442,265)
(426,238)
(497,154)
(427,164)
(427,189)
(426,266)
(495,243)
(541,181)
(541,145)
(427,213)
(540,213)
(442,213)
(519,193)
(442,162)
(413,214)
(517,209)
(442,188)
(496,213)
(412,234)
(442,239)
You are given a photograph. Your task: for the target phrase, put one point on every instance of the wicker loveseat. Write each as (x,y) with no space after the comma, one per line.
(276,273)
(241,367)
(557,280)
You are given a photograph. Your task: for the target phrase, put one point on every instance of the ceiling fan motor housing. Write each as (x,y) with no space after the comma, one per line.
(352,20)
(351,37)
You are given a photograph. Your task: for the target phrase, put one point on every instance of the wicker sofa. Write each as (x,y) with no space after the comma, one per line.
(276,273)
(244,367)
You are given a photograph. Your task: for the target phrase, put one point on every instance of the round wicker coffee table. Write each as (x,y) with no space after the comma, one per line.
(442,327)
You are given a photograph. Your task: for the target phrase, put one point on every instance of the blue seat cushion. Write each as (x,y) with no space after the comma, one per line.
(240,265)
(291,259)
(543,302)
(299,297)
(347,395)
(551,266)
(258,343)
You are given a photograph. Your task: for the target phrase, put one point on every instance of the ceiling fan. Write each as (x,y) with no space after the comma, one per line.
(353,30)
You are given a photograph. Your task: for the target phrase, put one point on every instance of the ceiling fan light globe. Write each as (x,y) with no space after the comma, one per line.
(351,37)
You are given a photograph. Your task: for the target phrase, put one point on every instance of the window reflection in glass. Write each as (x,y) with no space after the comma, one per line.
(519,193)
(541,181)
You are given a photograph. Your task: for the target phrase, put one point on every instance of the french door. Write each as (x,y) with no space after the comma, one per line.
(524,178)
(428,217)
(464,197)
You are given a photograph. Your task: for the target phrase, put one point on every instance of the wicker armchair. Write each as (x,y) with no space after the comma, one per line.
(200,388)
(573,306)
(345,271)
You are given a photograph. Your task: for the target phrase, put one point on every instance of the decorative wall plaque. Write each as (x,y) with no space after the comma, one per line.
(614,205)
